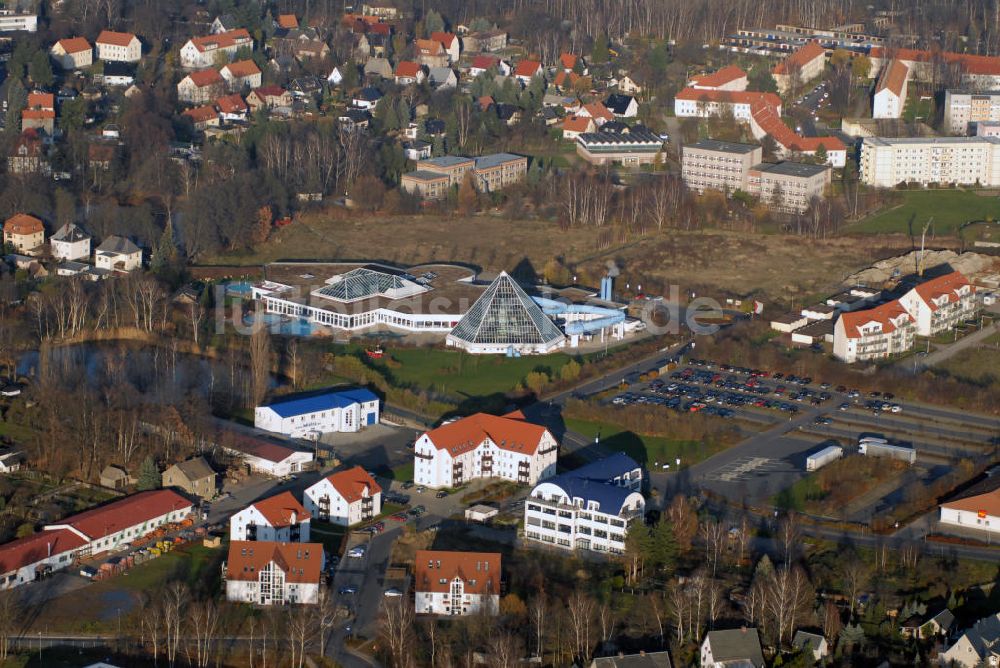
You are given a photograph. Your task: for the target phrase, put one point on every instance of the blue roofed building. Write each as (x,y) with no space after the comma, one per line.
(310,414)
(589,508)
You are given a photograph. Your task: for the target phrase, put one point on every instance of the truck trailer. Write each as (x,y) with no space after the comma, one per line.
(823,457)
(880,448)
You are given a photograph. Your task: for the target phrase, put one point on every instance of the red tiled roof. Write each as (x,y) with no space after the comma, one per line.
(769,120)
(38,114)
(222,40)
(126,512)
(729,96)
(75,45)
(352,484)
(485,102)
(507,433)
(727,74)
(231,104)
(288,21)
(527,68)
(485,62)
(885,314)
(202,78)
(564,78)
(568,60)
(281,510)
(201,114)
(22,223)
(987,65)
(479,571)
(802,56)
(242,68)
(988,503)
(893,77)
(300,562)
(29,550)
(575,123)
(947,285)
(428,47)
(41,101)
(445,38)
(115,38)
(269,91)
(407,68)
(380,29)
(255,447)
(598,110)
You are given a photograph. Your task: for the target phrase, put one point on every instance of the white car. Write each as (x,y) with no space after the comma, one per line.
(896,408)
(356,552)
(392,592)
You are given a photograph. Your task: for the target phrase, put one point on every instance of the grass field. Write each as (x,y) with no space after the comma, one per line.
(403,472)
(647,450)
(979,365)
(948,208)
(916,109)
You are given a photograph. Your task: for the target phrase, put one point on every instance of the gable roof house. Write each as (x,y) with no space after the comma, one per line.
(640,660)
(430,53)
(223,23)
(118,254)
(200,52)
(726,648)
(25,233)
(269,97)
(408,72)
(193,476)
(232,107)
(378,67)
(890,92)
(72,53)
(622,106)
(201,87)
(203,117)
(118,47)
(450,43)
(730,78)
(346,497)
(241,75)
(596,110)
(526,70)
(573,126)
(39,113)
(873,333)
(977,646)
(456,583)
(803,65)
(442,78)
(70,243)
(277,518)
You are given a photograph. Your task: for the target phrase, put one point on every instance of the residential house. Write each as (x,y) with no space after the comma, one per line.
(264,456)
(570,62)
(455,583)
(890,92)
(39,113)
(430,53)
(484,446)
(730,78)
(193,476)
(268,97)
(487,40)
(307,86)
(875,333)
(241,75)
(201,52)
(483,63)
(269,573)
(622,106)
(278,518)
(379,68)
(811,642)
(450,43)
(526,70)
(598,112)
(587,509)
(336,76)
(115,477)
(442,78)
(408,72)
(565,81)
(118,254)
(101,154)
(201,87)
(573,126)
(734,647)
(223,23)
(118,47)
(640,660)
(345,497)
(70,243)
(977,646)
(203,117)
(941,303)
(417,150)
(232,107)
(28,154)
(298,415)
(305,50)
(366,99)
(11,461)
(923,627)
(287,21)
(25,233)
(630,86)
(977,509)
(73,53)
(118,74)
(802,66)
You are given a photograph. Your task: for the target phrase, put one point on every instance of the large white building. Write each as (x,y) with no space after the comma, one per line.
(266,457)
(589,508)
(802,66)
(103,529)
(70,243)
(315,413)
(205,51)
(979,511)
(874,333)
(886,162)
(270,573)
(118,47)
(940,303)
(965,110)
(485,446)
(346,497)
(13,21)
(890,92)
(277,518)
(456,583)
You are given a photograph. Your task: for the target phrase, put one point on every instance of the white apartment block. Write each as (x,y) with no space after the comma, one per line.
(11,21)
(871,334)
(484,446)
(346,497)
(200,52)
(277,518)
(887,162)
(456,583)
(964,110)
(118,47)
(270,573)
(789,187)
(718,165)
(587,509)
(941,303)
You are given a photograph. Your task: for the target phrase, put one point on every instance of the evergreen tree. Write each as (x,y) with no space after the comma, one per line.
(149,475)
(164,260)
(534,174)
(821,156)
(40,69)
(17,98)
(434,22)
(664,547)
(601,52)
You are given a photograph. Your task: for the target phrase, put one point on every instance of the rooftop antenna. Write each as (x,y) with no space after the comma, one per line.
(923,238)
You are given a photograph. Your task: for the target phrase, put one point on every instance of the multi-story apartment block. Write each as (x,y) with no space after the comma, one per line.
(346,497)
(499,170)
(12,21)
(719,165)
(875,333)
(804,65)
(456,583)
(940,303)
(589,508)
(485,446)
(276,518)
(965,110)
(887,162)
(270,573)
(72,53)
(789,186)
(118,47)
(435,176)
(199,52)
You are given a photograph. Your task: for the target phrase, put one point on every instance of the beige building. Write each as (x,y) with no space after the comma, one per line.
(804,65)
(886,161)
(118,47)
(73,53)
(499,170)
(201,87)
(719,165)
(435,176)
(193,476)
(630,148)
(426,184)
(789,186)
(964,110)
(25,233)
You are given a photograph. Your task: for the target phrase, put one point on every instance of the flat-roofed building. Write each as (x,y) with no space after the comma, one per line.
(632,147)
(886,161)
(965,110)
(789,186)
(426,184)
(719,165)
(435,176)
(499,170)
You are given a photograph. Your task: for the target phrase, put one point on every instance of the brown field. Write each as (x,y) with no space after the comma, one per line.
(777,266)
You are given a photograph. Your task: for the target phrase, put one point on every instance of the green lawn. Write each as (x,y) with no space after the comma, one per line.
(799,495)
(978,365)
(403,472)
(916,109)
(644,449)
(15,432)
(949,208)
(193,563)
(330,535)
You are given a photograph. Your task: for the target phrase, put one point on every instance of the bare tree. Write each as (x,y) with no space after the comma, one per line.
(580,611)
(203,626)
(505,648)
(175,599)
(11,616)
(854,577)
(538,608)
(260,362)
(396,631)
(713,533)
(300,624)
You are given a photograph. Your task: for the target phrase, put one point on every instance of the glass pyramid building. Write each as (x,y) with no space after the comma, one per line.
(505,320)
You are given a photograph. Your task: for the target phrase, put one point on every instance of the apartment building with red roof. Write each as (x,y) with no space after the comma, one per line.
(940,303)
(72,53)
(730,78)
(241,74)
(890,92)
(980,72)
(875,333)
(484,446)
(455,583)
(200,87)
(273,573)
(803,65)
(346,497)
(277,518)
(200,52)
(118,47)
